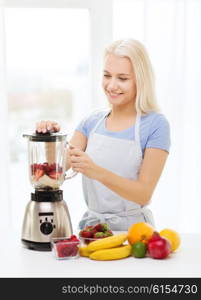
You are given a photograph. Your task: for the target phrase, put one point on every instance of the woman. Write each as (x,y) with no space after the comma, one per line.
(121,152)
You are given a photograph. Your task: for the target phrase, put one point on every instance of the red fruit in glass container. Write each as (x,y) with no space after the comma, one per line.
(158,247)
(46,167)
(38,173)
(52,167)
(54,174)
(98,227)
(86,234)
(101,227)
(65,249)
(73,238)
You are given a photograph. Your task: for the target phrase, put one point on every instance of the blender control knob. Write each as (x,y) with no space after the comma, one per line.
(46,227)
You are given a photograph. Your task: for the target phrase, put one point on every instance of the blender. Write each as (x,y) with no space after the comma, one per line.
(46,215)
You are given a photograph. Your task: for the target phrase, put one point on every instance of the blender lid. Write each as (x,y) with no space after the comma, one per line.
(46,137)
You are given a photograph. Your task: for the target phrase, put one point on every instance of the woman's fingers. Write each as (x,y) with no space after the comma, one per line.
(75,152)
(56,126)
(44,126)
(75,159)
(78,165)
(40,126)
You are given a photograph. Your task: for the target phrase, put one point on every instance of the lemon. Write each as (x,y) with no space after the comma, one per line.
(173,238)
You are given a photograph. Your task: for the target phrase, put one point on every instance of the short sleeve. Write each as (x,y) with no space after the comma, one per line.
(88,123)
(82,127)
(159,134)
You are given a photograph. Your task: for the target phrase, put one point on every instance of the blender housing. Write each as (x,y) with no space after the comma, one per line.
(46,215)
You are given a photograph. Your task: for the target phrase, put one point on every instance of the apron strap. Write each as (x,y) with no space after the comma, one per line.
(137,127)
(106,113)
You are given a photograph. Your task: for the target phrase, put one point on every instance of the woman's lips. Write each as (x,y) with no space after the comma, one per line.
(113,95)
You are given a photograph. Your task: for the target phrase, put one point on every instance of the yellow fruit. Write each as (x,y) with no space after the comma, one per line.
(172,236)
(108,242)
(140,232)
(84,251)
(112,253)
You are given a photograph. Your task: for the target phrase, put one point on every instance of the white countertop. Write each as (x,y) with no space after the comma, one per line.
(17,261)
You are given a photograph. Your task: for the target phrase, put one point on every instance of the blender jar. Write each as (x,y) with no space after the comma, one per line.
(47,155)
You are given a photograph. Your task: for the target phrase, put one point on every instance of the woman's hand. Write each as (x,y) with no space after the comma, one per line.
(44,126)
(82,163)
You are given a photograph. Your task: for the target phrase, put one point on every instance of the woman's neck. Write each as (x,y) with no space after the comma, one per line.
(118,113)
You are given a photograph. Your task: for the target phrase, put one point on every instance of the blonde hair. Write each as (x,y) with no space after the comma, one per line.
(145,81)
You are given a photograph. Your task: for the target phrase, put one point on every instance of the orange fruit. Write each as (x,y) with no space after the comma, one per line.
(140,232)
(173,238)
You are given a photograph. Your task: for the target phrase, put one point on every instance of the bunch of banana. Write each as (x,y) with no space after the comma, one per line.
(108,248)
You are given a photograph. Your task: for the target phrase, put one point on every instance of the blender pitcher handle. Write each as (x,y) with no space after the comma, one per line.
(73,173)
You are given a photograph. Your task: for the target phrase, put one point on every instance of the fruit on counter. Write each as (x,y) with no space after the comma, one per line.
(172,236)
(101,227)
(67,247)
(158,247)
(100,235)
(84,251)
(112,253)
(97,231)
(87,232)
(54,170)
(108,242)
(140,232)
(139,249)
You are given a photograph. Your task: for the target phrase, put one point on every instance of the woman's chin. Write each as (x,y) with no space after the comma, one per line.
(115,101)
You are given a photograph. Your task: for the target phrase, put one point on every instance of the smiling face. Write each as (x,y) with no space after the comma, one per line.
(119,80)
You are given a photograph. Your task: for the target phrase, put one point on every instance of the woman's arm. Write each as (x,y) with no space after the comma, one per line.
(138,191)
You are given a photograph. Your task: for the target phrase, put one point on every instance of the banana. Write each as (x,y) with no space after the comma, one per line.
(83,251)
(108,242)
(112,253)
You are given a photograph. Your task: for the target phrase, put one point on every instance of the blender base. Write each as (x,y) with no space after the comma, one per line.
(36,245)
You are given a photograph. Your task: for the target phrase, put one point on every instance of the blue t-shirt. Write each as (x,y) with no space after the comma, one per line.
(154,130)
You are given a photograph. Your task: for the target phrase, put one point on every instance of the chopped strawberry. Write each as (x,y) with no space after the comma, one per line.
(73,238)
(52,167)
(54,174)
(46,168)
(38,173)
(53,170)
(40,167)
(65,249)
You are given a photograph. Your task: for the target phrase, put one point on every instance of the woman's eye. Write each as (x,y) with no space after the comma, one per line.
(105,75)
(123,79)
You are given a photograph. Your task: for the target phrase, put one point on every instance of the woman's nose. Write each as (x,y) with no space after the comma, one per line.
(112,84)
